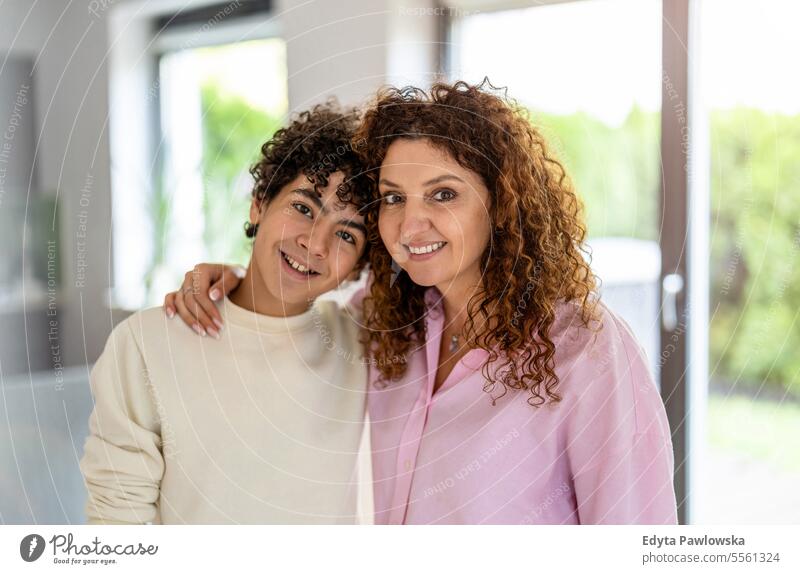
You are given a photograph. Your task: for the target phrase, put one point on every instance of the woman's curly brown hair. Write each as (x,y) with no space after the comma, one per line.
(317,143)
(533,260)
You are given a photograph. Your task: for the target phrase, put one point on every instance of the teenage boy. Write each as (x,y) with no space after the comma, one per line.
(262,421)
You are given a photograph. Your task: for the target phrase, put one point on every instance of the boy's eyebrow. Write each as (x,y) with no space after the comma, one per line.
(313,196)
(317,200)
(354,224)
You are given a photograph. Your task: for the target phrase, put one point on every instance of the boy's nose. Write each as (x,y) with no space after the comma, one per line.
(315,244)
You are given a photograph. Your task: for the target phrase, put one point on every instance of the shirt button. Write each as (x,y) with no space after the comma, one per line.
(408,465)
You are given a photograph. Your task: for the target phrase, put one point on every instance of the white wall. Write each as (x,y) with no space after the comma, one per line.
(44,422)
(350,49)
(69,87)
(24,25)
(75,163)
(333,48)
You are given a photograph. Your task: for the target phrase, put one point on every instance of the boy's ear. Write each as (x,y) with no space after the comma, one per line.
(255,210)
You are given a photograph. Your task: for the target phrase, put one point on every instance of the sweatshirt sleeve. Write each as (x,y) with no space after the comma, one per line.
(620,447)
(122,463)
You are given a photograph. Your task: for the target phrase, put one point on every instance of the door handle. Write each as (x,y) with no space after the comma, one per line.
(671,286)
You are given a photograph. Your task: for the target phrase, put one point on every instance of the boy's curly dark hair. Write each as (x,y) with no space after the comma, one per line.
(317,143)
(534,260)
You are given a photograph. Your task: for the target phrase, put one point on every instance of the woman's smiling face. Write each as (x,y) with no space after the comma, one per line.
(434,214)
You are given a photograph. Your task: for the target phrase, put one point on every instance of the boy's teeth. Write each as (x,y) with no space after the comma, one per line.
(295,265)
(427,249)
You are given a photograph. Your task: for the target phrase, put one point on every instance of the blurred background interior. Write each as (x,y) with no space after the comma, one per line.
(128,127)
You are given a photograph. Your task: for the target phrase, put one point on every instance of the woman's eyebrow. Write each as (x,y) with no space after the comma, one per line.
(434,181)
(442,178)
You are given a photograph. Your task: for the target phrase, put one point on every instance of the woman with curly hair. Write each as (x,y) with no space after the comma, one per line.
(503,390)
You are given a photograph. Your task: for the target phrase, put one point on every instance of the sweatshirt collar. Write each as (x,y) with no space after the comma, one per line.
(240,317)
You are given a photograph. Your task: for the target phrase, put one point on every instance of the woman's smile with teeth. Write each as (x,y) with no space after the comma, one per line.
(427,248)
(298,266)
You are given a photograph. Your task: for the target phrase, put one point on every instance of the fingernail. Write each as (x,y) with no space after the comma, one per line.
(170,312)
(218,323)
(199,330)
(214,333)
(214,294)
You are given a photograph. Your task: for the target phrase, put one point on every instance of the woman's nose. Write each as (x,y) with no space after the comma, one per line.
(415,221)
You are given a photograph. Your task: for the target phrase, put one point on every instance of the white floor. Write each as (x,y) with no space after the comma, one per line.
(742,490)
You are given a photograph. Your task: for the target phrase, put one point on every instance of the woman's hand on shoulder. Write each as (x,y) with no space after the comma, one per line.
(194,301)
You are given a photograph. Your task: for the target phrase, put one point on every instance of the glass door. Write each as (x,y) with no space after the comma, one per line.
(749,103)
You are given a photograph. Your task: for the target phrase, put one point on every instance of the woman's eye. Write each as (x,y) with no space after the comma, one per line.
(347,237)
(302,208)
(391,199)
(444,195)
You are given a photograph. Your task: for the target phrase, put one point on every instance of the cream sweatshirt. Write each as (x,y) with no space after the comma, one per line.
(262,426)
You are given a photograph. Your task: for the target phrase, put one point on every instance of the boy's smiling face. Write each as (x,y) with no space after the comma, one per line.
(307,243)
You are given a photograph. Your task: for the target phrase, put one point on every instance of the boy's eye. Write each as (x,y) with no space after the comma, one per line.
(303,208)
(444,195)
(347,236)
(391,199)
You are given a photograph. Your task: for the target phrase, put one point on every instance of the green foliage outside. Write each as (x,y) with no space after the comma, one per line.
(233,133)
(755,242)
(755,225)
(615,170)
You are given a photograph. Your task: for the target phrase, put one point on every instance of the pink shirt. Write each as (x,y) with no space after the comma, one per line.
(601,455)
